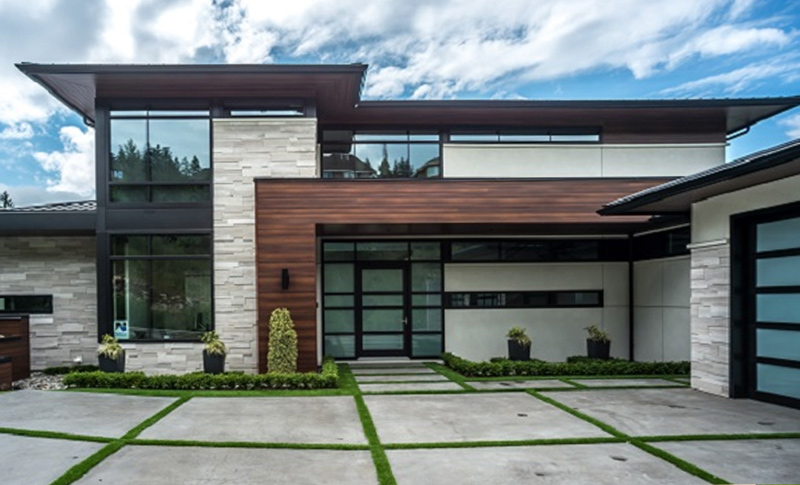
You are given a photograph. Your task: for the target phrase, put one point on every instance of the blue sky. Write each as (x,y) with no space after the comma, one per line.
(507,49)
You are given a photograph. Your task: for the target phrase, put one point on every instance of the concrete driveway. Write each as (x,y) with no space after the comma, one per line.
(401,424)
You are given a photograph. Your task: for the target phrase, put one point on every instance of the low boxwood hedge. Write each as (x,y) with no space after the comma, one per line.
(68,369)
(577,366)
(326,379)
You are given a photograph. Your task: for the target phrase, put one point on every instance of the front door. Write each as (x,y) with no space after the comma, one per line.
(382,307)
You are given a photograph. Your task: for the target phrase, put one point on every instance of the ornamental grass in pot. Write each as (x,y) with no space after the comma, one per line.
(598,345)
(111,355)
(519,344)
(213,353)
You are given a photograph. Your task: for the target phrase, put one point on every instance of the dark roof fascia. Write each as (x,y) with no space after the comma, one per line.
(789,101)
(29,68)
(755,162)
(47,223)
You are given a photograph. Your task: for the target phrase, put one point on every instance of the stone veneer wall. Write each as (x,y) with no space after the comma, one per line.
(243,150)
(710,318)
(65,268)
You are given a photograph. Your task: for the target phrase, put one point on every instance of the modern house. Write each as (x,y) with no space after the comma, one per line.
(398,228)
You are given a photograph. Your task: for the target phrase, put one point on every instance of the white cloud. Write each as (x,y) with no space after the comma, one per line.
(738,80)
(18,131)
(73,166)
(27,195)
(792,125)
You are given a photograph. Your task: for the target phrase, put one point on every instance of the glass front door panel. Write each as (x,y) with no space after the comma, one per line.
(381,342)
(383,310)
(382,320)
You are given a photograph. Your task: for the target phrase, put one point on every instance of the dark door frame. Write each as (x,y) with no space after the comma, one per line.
(405,266)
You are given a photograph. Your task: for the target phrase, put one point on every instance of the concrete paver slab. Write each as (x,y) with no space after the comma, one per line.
(428,418)
(600,464)
(671,412)
(747,461)
(411,386)
(624,382)
(32,461)
(535,384)
(320,419)
(109,415)
(157,465)
(365,371)
(414,378)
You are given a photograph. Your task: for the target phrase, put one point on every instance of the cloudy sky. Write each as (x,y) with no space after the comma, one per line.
(502,49)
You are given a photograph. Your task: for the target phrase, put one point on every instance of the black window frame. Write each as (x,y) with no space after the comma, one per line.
(25,303)
(117,113)
(486,300)
(389,132)
(106,325)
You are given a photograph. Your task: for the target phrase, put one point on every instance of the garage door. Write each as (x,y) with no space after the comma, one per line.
(774,310)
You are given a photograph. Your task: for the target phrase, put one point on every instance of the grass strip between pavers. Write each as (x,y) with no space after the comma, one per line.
(719,437)
(451,374)
(682,464)
(210,393)
(249,444)
(379,458)
(133,433)
(497,444)
(613,388)
(82,468)
(605,427)
(638,442)
(55,435)
(569,378)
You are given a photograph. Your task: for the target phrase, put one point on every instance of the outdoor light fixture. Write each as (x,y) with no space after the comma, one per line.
(285,278)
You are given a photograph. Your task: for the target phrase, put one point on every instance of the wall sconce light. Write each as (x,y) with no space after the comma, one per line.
(285,278)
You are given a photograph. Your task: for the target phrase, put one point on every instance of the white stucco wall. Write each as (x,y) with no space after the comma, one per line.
(711,217)
(524,161)
(479,334)
(661,309)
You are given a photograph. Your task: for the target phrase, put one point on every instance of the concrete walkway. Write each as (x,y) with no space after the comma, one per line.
(489,431)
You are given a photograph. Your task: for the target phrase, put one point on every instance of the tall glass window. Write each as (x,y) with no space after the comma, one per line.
(161,286)
(366,155)
(160,157)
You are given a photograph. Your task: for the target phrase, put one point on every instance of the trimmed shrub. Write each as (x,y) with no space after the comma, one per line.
(68,369)
(326,379)
(282,355)
(576,366)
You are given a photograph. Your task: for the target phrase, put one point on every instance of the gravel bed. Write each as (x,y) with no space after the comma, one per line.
(40,382)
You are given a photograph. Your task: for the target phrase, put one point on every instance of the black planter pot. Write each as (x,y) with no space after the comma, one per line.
(213,364)
(112,365)
(517,351)
(597,350)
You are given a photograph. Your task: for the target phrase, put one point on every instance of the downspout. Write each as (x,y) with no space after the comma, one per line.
(630,297)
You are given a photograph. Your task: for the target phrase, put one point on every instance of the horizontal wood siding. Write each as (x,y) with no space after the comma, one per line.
(16,344)
(289,210)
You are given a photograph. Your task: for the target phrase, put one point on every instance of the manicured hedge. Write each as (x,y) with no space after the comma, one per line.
(68,369)
(576,367)
(327,378)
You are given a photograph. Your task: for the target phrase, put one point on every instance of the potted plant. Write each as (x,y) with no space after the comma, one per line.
(213,353)
(111,355)
(519,344)
(598,344)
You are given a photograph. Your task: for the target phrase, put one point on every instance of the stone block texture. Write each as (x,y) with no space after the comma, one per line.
(163,358)
(243,150)
(710,319)
(65,268)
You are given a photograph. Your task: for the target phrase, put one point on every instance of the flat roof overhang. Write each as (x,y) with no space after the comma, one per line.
(337,88)
(676,197)
(79,223)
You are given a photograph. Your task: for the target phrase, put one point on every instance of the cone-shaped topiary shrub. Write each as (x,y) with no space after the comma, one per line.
(282,355)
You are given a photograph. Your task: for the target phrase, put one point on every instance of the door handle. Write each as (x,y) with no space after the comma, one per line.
(405,321)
